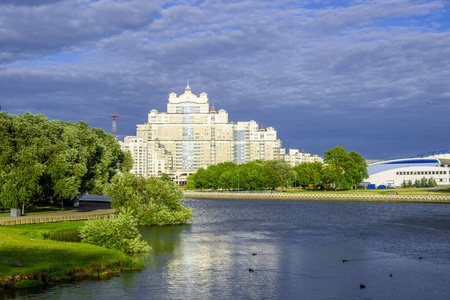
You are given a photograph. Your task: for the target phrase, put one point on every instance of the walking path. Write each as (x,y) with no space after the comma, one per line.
(86,211)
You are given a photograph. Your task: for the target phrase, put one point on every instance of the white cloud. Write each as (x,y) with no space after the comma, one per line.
(253,58)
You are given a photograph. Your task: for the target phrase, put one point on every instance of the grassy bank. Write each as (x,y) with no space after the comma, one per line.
(45,262)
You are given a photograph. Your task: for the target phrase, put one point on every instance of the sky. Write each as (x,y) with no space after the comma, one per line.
(370,76)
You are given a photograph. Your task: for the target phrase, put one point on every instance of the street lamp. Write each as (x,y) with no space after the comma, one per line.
(238,183)
(362,185)
(295,183)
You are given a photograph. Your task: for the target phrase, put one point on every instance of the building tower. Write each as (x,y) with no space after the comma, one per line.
(114,116)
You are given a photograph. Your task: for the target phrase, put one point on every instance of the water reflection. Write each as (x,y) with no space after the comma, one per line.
(300,247)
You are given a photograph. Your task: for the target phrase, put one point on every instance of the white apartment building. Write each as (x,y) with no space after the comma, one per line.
(190,136)
(296,157)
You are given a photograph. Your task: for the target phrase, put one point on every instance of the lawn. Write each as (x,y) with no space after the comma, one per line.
(27,244)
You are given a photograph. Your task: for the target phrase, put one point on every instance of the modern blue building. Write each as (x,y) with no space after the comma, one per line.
(433,165)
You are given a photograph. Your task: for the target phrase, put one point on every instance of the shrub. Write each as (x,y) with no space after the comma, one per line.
(153,201)
(117,232)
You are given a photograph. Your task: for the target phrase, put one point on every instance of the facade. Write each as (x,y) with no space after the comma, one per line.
(394,172)
(190,136)
(295,157)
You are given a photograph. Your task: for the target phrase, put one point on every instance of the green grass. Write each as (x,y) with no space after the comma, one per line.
(26,243)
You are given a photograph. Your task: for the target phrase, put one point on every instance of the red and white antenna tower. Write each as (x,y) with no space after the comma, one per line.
(114,116)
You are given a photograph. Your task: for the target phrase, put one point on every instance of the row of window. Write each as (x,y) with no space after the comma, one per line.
(422,173)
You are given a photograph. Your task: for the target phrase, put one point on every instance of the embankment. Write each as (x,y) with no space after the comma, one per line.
(323,197)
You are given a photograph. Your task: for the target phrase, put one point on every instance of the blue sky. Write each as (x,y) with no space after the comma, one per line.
(370,76)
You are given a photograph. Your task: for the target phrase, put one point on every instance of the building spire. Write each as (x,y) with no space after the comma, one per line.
(188,88)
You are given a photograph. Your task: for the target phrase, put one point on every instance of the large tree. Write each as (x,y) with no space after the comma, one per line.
(283,170)
(309,173)
(153,201)
(48,161)
(344,170)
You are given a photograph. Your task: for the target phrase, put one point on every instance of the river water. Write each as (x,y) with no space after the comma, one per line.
(295,250)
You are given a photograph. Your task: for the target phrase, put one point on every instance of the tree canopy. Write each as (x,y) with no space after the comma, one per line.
(48,161)
(342,169)
(152,201)
(345,169)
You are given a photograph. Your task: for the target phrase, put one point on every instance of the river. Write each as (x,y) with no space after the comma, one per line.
(276,249)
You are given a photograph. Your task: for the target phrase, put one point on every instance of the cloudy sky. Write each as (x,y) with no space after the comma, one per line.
(370,76)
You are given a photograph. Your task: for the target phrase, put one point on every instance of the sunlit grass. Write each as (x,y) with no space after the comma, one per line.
(26,243)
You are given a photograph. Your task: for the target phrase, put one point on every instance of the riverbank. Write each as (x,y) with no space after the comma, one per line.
(28,259)
(324,196)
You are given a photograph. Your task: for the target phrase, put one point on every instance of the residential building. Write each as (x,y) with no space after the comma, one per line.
(191,135)
(296,157)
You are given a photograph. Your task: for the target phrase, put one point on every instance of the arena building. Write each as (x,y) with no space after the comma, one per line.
(433,165)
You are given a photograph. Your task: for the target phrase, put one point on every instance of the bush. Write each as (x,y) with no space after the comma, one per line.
(153,201)
(117,232)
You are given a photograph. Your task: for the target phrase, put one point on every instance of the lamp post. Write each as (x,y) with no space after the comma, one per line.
(295,183)
(238,182)
(362,185)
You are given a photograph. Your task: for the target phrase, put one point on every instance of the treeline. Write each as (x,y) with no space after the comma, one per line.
(340,169)
(424,182)
(49,161)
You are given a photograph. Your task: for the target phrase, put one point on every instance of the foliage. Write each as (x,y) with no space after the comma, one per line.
(48,161)
(254,175)
(422,183)
(164,177)
(344,169)
(282,169)
(117,232)
(309,173)
(153,201)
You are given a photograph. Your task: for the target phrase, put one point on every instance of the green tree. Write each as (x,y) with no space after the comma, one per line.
(423,182)
(48,161)
(164,177)
(283,171)
(431,182)
(344,169)
(309,173)
(117,232)
(227,180)
(338,160)
(272,181)
(358,168)
(200,179)
(154,202)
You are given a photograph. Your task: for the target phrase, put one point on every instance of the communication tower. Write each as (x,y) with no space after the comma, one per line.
(114,116)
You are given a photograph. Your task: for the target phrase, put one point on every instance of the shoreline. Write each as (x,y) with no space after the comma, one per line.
(323,197)
(45,279)
(31,260)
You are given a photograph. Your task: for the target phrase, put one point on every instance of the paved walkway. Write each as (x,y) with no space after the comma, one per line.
(86,211)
